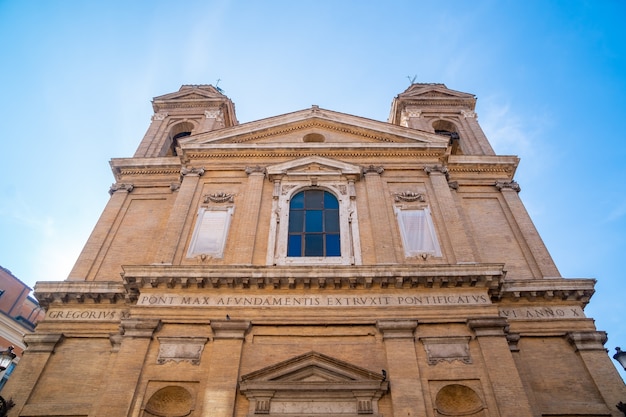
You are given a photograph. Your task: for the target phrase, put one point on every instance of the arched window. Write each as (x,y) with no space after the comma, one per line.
(313,224)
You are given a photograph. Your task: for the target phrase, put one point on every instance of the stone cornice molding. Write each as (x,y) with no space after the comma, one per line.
(79,292)
(344,152)
(594,340)
(455,277)
(551,289)
(148,167)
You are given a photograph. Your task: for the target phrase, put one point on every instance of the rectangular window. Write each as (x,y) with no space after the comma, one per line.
(418,232)
(209,236)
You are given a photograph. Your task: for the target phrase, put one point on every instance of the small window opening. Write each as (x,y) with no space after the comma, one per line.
(313,137)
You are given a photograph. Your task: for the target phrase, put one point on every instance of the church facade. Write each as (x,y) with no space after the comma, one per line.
(315,264)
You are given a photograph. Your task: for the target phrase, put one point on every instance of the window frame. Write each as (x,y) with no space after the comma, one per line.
(193,251)
(430,231)
(304,231)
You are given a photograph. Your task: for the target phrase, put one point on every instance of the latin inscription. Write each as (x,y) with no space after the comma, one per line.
(542,313)
(91,315)
(311,301)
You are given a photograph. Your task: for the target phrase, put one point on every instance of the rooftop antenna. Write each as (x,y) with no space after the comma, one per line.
(412,80)
(216,86)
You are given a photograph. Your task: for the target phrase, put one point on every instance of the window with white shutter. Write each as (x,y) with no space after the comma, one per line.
(209,236)
(418,232)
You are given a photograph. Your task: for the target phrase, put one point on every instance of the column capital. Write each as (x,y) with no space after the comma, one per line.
(441,169)
(192,172)
(140,328)
(508,185)
(488,326)
(159,116)
(373,170)
(588,340)
(397,329)
(121,187)
(42,342)
(255,170)
(230,329)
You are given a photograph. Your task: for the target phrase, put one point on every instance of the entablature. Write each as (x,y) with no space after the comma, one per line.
(487,276)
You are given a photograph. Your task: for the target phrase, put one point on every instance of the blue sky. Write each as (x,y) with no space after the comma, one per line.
(77,78)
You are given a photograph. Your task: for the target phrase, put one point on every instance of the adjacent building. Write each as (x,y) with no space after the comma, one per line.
(19,314)
(316,264)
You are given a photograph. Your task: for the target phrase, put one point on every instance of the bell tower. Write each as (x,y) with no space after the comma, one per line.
(433,107)
(191,110)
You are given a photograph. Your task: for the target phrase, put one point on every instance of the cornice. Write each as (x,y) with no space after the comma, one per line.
(572,289)
(79,292)
(291,152)
(487,276)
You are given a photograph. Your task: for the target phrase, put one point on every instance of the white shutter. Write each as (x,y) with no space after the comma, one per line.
(418,232)
(209,237)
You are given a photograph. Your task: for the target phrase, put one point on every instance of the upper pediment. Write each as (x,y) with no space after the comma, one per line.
(314,127)
(419,90)
(312,367)
(190,96)
(192,92)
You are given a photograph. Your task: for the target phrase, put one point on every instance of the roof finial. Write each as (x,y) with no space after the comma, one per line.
(412,80)
(216,86)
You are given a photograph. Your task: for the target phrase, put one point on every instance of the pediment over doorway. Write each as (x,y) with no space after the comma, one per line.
(313,384)
(314,165)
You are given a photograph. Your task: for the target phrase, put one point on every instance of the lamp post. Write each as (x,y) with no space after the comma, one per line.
(6,357)
(620,356)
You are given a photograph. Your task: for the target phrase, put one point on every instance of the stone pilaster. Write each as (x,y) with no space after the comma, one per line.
(224,364)
(379,215)
(456,232)
(39,348)
(125,369)
(173,232)
(249,209)
(590,348)
(82,270)
(402,368)
(540,254)
(506,383)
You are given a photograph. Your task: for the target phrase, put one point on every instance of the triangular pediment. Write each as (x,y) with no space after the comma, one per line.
(192,92)
(314,127)
(419,90)
(312,368)
(313,165)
